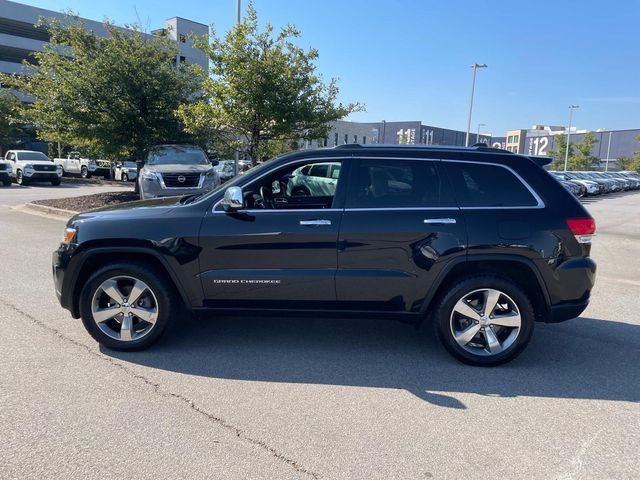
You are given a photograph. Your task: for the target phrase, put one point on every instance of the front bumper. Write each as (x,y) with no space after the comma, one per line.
(63,269)
(41,176)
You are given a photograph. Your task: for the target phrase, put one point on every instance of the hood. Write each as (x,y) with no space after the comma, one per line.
(138,208)
(178,168)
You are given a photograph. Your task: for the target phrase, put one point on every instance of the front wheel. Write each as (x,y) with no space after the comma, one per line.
(124,177)
(484,321)
(6,183)
(84,172)
(20,180)
(127,306)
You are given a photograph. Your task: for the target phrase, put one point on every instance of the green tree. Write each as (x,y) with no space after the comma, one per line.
(113,95)
(559,153)
(582,159)
(262,89)
(10,119)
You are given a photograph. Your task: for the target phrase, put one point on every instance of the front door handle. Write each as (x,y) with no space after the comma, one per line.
(440,221)
(315,222)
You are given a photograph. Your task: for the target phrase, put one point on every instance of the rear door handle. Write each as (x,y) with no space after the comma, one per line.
(315,222)
(439,221)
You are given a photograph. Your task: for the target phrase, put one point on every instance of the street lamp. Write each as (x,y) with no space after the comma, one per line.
(478,134)
(606,165)
(566,153)
(475,67)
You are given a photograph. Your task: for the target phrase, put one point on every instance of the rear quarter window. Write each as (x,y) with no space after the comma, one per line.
(483,185)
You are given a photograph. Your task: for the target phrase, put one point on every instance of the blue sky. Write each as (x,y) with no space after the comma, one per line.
(409,60)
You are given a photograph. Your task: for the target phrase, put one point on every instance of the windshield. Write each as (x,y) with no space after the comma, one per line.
(175,154)
(34,156)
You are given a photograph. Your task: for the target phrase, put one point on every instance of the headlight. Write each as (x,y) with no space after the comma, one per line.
(149,176)
(69,235)
(28,166)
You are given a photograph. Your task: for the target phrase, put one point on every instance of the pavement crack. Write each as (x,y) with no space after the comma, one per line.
(158,390)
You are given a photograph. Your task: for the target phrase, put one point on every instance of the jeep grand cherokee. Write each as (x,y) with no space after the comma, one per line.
(482,242)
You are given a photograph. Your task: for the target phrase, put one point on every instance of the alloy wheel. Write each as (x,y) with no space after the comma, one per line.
(124,308)
(485,322)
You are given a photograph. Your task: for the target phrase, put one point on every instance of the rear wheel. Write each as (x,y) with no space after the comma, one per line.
(127,306)
(125,177)
(55,182)
(484,320)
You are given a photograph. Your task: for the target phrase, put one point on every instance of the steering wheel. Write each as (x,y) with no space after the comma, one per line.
(267,197)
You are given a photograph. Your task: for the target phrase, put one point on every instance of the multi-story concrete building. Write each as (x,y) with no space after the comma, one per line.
(19,36)
(411,132)
(540,139)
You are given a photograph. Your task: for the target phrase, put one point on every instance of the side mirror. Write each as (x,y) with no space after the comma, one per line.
(214,162)
(233,199)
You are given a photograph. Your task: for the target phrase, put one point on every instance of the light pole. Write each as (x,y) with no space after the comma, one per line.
(475,67)
(606,164)
(478,134)
(566,153)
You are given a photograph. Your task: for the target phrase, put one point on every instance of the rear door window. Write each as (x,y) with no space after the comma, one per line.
(485,185)
(391,183)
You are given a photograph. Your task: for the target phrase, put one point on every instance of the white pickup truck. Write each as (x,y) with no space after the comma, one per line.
(74,164)
(30,166)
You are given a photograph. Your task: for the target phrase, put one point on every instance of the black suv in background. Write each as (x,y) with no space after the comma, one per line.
(480,241)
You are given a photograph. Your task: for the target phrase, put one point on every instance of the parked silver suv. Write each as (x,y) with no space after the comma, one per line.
(174,170)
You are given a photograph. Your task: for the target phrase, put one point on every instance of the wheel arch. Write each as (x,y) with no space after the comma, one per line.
(520,270)
(95,258)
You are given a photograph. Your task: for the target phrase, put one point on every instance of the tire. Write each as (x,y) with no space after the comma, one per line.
(20,180)
(473,292)
(6,183)
(55,182)
(124,177)
(84,172)
(159,294)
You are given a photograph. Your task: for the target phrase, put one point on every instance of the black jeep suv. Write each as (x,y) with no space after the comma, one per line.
(480,241)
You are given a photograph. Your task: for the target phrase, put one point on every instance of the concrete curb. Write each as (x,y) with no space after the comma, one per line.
(43,209)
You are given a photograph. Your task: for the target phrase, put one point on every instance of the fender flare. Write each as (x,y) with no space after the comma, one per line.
(91,252)
(444,272)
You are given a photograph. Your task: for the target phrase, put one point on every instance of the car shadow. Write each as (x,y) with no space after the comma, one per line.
(584,358)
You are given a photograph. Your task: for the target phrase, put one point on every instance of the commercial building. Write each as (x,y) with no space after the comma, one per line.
(540,139)
(410,132)
(19,36)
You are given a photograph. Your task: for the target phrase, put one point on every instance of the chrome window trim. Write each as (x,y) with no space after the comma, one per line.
(540,202)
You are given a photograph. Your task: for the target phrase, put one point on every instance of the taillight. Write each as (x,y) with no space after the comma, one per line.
(582,228)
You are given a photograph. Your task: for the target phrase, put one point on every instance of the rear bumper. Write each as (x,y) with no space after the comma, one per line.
(569,287)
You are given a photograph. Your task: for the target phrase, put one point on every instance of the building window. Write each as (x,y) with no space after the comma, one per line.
(326,141)
(364,139)
(355,139)
(346,138)
(183,59)
(183,38)
(335,140)
(516,138)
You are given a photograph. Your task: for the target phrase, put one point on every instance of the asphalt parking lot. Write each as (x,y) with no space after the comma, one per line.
(270,398)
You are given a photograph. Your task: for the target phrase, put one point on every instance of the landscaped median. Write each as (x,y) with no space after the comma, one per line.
(67,207)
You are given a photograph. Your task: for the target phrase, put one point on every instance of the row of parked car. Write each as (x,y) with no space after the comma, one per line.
(597,183)
(28,166)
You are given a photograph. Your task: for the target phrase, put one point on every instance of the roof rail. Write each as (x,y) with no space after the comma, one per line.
(348,145)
